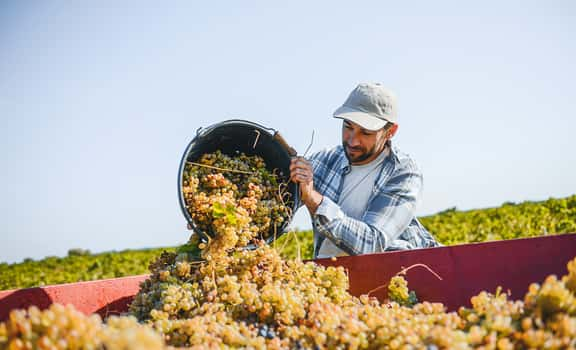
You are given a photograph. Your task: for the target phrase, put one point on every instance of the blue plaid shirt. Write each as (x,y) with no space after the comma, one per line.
(388,222)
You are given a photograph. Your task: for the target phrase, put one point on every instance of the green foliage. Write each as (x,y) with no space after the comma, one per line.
(509,221)
(189,248)
(296,244)
(450,227)
(75,268)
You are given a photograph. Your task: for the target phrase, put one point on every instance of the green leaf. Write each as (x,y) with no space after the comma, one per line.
(219,211)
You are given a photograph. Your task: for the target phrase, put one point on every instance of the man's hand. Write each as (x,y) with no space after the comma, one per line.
(301,173)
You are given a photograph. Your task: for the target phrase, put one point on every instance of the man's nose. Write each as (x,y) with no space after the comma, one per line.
(353,141)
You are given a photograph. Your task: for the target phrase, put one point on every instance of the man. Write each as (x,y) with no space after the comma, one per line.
(362,195)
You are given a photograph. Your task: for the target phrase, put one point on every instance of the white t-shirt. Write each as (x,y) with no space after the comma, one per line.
(356,190)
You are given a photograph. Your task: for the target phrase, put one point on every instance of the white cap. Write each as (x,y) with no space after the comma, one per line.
(369,105)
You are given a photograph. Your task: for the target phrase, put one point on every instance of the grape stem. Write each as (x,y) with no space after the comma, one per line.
(281,193)
(309,145)
(222,169)
(403,272)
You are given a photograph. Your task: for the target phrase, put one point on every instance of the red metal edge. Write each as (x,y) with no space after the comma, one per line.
(465,270)
(105,297)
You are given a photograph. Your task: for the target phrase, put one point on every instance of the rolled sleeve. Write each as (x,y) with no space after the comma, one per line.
(329,210)
(332,223)
(327,215)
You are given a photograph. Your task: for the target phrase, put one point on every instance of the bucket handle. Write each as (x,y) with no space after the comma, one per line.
(291,151)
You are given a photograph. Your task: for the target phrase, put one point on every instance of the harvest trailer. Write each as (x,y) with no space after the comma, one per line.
(449,275)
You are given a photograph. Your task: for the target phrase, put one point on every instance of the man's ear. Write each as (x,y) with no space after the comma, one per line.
(392,130)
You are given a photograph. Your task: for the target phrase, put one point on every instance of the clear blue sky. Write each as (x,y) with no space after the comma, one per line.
(99,99)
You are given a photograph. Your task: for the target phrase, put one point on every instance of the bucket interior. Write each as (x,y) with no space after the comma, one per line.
(233,138)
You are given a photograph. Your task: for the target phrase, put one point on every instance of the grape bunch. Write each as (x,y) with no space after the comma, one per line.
(398,291)
(545,319)
(234,200)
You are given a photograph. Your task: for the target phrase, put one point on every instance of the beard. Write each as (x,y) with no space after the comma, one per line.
(360,155)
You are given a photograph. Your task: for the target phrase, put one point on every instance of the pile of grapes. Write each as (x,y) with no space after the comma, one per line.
(214,294)
(63,327)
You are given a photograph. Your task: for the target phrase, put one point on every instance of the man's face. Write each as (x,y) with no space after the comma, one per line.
(360,145)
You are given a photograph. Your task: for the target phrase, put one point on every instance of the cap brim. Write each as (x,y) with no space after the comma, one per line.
(365,120)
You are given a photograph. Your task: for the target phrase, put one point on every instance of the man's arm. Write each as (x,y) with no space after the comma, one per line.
(388,215)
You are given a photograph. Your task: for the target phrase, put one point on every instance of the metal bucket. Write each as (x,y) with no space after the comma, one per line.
(232,137)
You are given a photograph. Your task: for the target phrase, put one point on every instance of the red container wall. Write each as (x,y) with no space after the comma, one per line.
(106,297)
(465,271)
